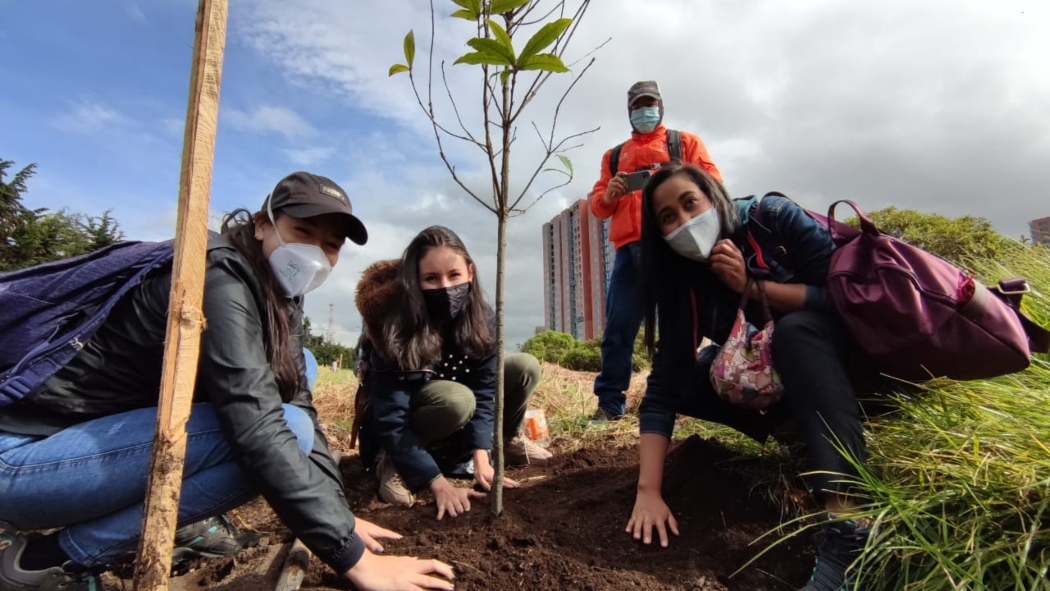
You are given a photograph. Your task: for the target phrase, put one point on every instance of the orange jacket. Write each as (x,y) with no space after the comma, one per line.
(642,150)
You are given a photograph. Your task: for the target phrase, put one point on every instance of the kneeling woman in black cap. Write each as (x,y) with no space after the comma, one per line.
(74,453)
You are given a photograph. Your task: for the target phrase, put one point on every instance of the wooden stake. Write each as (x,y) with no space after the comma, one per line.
(185,318)
(294,569)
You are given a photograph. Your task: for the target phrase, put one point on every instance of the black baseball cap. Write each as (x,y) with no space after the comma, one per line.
(643,88)
(305,195)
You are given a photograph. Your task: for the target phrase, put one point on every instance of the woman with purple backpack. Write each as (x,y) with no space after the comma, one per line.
(75,451)
(699,257)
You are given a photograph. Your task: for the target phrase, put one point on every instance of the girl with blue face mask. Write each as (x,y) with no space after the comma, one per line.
(431,377)
(698,252)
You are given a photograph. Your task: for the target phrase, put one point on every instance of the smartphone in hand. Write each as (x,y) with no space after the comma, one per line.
(636,180)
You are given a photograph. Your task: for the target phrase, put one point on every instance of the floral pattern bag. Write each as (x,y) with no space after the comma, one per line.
(743,371)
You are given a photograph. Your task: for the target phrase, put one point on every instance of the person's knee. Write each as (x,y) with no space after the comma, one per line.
(451,404)
(797,332)
(523,368)
(301,425)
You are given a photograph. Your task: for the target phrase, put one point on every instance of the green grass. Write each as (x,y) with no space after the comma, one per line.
(958,477)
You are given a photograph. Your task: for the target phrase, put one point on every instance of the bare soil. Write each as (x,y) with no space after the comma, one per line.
(564,530)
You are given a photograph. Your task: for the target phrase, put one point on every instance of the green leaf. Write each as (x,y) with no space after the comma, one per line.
(505,6)
(466,15)
(475,58)
(502,37)
(548,34)
(566,162)
(397,69)
(548,62)
(462,3)
(410,47)
(503,76)
(493,47)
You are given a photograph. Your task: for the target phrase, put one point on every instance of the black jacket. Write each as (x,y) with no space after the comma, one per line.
(386,421)
(120,370)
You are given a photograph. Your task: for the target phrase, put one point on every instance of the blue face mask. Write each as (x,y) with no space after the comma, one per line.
(645,119)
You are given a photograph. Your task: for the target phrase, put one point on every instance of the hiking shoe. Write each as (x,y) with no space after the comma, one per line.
(521,451)
(840,546)
(604,416)
(211,538)
(68,577)
(392,488)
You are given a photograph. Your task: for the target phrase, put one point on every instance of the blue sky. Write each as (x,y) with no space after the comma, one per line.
(937,105)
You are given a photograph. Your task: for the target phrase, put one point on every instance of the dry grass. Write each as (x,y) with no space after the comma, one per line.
(566,398)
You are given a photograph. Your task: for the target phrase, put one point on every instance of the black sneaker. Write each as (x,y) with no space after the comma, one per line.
(68,577)
(211,538)
(840,546)
(604,416)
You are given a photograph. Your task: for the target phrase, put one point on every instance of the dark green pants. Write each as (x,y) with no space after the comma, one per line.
(442,407)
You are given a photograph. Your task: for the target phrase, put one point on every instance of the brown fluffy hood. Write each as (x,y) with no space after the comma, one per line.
(378,292)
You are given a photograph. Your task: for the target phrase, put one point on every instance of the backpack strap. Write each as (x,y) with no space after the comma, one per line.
(614,159)
(1011,291)
(674,144)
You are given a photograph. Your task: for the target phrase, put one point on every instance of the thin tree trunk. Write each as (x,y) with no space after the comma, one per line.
(185,317)
(497,441)
(502,213)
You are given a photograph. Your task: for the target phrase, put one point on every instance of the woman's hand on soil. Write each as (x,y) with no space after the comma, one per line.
(650,510)
(399,573)
(369,531)
(451,499)
(727,262)
(484,473)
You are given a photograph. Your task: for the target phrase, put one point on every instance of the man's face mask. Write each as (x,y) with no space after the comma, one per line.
(645,119)
(446,303)
(695,238)
(300,268)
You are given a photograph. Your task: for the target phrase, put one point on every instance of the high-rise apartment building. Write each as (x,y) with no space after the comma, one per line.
(577,262)
(1040,229)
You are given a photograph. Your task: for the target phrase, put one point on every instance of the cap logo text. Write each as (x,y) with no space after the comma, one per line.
(331,192)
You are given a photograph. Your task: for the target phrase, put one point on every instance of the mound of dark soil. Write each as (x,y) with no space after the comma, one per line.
(564,530)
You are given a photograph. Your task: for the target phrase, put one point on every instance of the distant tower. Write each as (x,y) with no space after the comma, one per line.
(329,333)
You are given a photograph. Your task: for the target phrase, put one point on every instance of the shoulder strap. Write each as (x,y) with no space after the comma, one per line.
(614,159)
(674,144)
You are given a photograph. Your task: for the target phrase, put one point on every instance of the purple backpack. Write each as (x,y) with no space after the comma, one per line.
(918,316)
(48,312)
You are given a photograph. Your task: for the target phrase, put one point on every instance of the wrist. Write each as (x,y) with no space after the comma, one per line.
(648,489)
(439,483)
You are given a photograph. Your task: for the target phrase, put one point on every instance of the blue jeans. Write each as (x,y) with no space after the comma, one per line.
(623,318)
(90,479)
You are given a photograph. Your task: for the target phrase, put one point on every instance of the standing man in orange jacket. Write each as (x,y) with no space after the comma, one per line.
(651,144)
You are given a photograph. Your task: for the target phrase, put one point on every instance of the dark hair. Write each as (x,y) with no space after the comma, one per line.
(410,334)
(666,274)
(239,227)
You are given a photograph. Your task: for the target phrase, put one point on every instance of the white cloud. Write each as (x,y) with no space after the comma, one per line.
(308,157)
(268,119)
(90,116)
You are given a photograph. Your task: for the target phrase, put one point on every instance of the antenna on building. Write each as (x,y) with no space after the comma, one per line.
(329,333)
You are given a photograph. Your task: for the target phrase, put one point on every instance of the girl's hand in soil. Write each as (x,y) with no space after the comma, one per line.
(651,510)
(451,499)
(399,573)
(369,531)
(484,473)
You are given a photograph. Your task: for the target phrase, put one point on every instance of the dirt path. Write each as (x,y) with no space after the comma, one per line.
(563,531)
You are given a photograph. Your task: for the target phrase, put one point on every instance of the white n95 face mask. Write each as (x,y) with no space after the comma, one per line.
(300,268)
(695,238)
